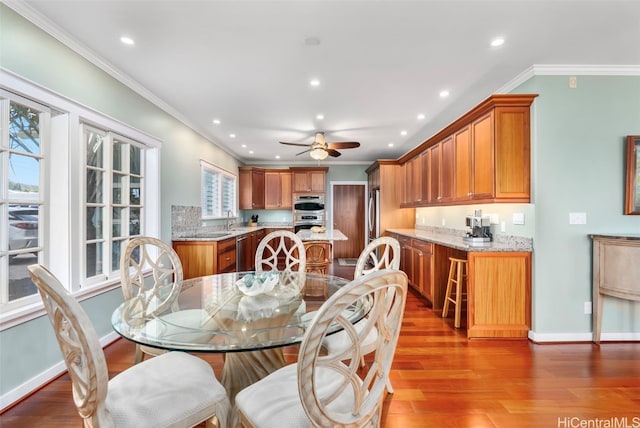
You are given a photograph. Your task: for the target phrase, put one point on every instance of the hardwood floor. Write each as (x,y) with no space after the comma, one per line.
(442,379)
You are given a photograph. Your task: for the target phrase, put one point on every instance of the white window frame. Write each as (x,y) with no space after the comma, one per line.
(64,207)
(218,193)
(5,199)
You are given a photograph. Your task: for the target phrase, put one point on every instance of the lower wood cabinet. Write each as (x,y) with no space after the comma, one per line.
(499,294)
(498,285)
(201,258)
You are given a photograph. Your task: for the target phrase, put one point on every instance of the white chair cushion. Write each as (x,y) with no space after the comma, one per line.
(172,390)
(274,402)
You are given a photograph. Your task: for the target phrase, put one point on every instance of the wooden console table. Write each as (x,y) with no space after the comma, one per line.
(616,272)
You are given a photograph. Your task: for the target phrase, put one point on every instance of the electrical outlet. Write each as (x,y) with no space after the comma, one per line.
(587,308)
(444,222)
(577,218)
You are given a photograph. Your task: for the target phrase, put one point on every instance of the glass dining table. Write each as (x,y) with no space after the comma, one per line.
(227,313)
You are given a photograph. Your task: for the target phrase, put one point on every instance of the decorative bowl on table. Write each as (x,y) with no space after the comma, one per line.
(318,229)
(258,283)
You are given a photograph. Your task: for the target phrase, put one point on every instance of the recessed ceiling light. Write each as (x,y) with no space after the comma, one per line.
(314,82)
(498,41)
(232,135)
(420,116)
(390,144)
(320,116)
(444,94)
(216,121)
(244,146)
(127,40)
(403,132)
(250,152)
(312,41)
(277,156)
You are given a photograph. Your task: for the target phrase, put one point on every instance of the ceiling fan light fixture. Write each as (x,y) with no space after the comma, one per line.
(318,154)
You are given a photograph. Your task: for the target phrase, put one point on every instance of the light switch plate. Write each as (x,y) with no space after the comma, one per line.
(518,218)
(577,218)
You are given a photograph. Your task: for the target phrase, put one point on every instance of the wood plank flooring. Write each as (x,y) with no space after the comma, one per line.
(442,380)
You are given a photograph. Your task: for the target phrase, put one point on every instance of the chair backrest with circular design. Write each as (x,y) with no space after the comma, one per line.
(80,347)
(381,253)
(334,389)
(159,291)
(281,250)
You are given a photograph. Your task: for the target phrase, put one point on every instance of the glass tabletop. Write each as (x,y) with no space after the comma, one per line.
(232,312)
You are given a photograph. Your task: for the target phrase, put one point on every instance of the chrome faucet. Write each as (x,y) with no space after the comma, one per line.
(229,219)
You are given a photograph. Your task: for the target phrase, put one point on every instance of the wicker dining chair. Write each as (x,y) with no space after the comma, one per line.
(171,390)
(332,390)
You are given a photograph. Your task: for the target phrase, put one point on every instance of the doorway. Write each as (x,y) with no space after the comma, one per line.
(348,216)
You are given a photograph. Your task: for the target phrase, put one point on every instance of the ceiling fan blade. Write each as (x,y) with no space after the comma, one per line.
(344,145)
(333,153)
(295,144)
(308,150)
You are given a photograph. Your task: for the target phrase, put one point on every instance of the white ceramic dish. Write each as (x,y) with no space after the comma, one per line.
(259,283)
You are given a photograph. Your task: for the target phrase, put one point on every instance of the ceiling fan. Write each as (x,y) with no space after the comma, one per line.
(319,149)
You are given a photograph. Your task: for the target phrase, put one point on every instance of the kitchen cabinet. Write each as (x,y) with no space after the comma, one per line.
(309,180)
(499,294)
(200,258)
(417,262)
(427,267)
(391,214)
(413,182)
(226,255)
(474,166)
(251,192)
(498,285)
(278,190)
(482,157)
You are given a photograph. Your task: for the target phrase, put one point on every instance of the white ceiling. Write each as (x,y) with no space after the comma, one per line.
(379,63)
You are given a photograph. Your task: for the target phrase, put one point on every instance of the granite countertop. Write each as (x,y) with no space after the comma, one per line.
(215,235)
(506,243)
(327,235)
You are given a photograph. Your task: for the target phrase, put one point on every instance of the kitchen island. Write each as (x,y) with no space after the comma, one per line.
(498,278)
(327,235)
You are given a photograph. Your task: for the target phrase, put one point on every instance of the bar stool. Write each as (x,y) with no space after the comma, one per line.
(457,274)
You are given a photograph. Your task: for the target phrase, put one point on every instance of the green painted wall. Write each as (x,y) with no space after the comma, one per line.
(30,348)
(579,166)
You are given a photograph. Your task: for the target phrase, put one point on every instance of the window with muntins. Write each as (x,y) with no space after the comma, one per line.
(75,185)
(218,192)
(22,151)
(114,201)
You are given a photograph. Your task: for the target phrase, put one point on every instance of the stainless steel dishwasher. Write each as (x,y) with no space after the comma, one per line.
(243,253)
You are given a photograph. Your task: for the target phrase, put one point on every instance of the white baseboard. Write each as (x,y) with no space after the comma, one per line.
(38,381)
(582,337)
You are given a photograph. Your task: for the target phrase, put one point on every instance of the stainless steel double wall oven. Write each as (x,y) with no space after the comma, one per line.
(308,211)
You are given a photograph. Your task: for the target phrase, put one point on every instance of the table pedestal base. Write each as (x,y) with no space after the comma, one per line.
(242,369)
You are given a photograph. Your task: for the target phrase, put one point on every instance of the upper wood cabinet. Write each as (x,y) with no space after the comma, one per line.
(309,180)
(277,190)
(251,192)
(391,215)
(482,157)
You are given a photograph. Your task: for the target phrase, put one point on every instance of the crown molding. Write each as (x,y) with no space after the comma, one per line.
(568,70)
(46,25)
